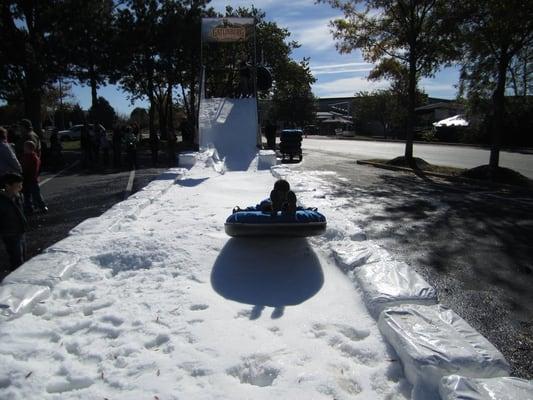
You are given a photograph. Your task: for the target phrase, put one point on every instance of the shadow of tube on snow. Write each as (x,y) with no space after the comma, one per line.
(273,272)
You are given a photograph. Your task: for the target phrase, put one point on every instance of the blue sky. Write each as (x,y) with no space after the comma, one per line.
(338,75)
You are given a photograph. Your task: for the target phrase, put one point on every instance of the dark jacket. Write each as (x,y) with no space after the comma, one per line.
(12,219)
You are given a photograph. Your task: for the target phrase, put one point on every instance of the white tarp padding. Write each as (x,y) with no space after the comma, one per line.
(389,283)
(230,126)
(18,298)
(45,269)
(352,254)
(455,387)
(433,341)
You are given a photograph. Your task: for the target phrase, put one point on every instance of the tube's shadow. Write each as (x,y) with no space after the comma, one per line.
(267,272)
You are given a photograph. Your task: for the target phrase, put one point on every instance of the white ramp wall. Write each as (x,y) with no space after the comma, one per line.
(230,126)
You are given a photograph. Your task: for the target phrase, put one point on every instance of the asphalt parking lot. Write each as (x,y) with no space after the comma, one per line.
(473,243)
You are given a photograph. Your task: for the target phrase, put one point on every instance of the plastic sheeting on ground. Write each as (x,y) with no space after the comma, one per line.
(18,298)
(45,269)
(455,387)
(433,341)
(352,254)
(389,283)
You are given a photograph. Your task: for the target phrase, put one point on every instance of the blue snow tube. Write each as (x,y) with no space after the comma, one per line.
(254,222)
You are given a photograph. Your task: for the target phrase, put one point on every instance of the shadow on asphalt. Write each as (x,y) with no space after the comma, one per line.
(475,247)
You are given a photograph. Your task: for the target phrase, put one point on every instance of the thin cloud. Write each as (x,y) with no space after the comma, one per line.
(329,66)
(312,33)
(347,86)
(340,71)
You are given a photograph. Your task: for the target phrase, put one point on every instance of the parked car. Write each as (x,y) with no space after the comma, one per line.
(74,133)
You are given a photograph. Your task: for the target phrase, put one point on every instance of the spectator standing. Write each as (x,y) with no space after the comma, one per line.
(270,133)
(13,224)
(131,148)
(171,148)
(8,159)
(86,148)
(117,146)
(104,146)
(56,155)
(96,142)
(29,134)
(154,149)
(31,165)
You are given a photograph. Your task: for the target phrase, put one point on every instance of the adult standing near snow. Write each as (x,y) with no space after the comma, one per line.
(8,159)
(31,165)
(29,134)
(13,223)
(270,133)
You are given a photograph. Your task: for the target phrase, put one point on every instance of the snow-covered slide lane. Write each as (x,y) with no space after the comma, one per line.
(165,304)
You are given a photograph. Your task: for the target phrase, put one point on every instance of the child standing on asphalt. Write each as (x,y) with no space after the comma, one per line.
(13,223)
(31,165)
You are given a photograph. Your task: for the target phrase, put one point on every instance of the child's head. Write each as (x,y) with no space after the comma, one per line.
(29,146)
(12,183)
(3,135)
(282,185)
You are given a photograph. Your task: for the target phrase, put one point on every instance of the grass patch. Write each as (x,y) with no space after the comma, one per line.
(421,165)
(499,175)
(71,145)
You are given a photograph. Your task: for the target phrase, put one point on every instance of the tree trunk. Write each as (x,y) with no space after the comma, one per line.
(32,99)
(498,99)
(170,114)
(162,114)
(151,120)
(411,92)
(32,108)
(92,79)
(94,93)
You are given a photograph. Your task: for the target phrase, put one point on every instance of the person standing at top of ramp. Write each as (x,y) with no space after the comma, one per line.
(245,80)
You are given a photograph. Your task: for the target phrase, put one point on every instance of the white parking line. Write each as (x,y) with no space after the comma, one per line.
(59,173)
(129,187)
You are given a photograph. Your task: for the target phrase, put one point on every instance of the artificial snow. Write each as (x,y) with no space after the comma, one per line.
(433,341)
(152,299)
(162,304)
(456,387)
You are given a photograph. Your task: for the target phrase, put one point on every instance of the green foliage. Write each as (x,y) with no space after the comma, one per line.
(292,100)
(494,35)
(102,113)
(417,35)
(31,52)
(140,117)
(88,40)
